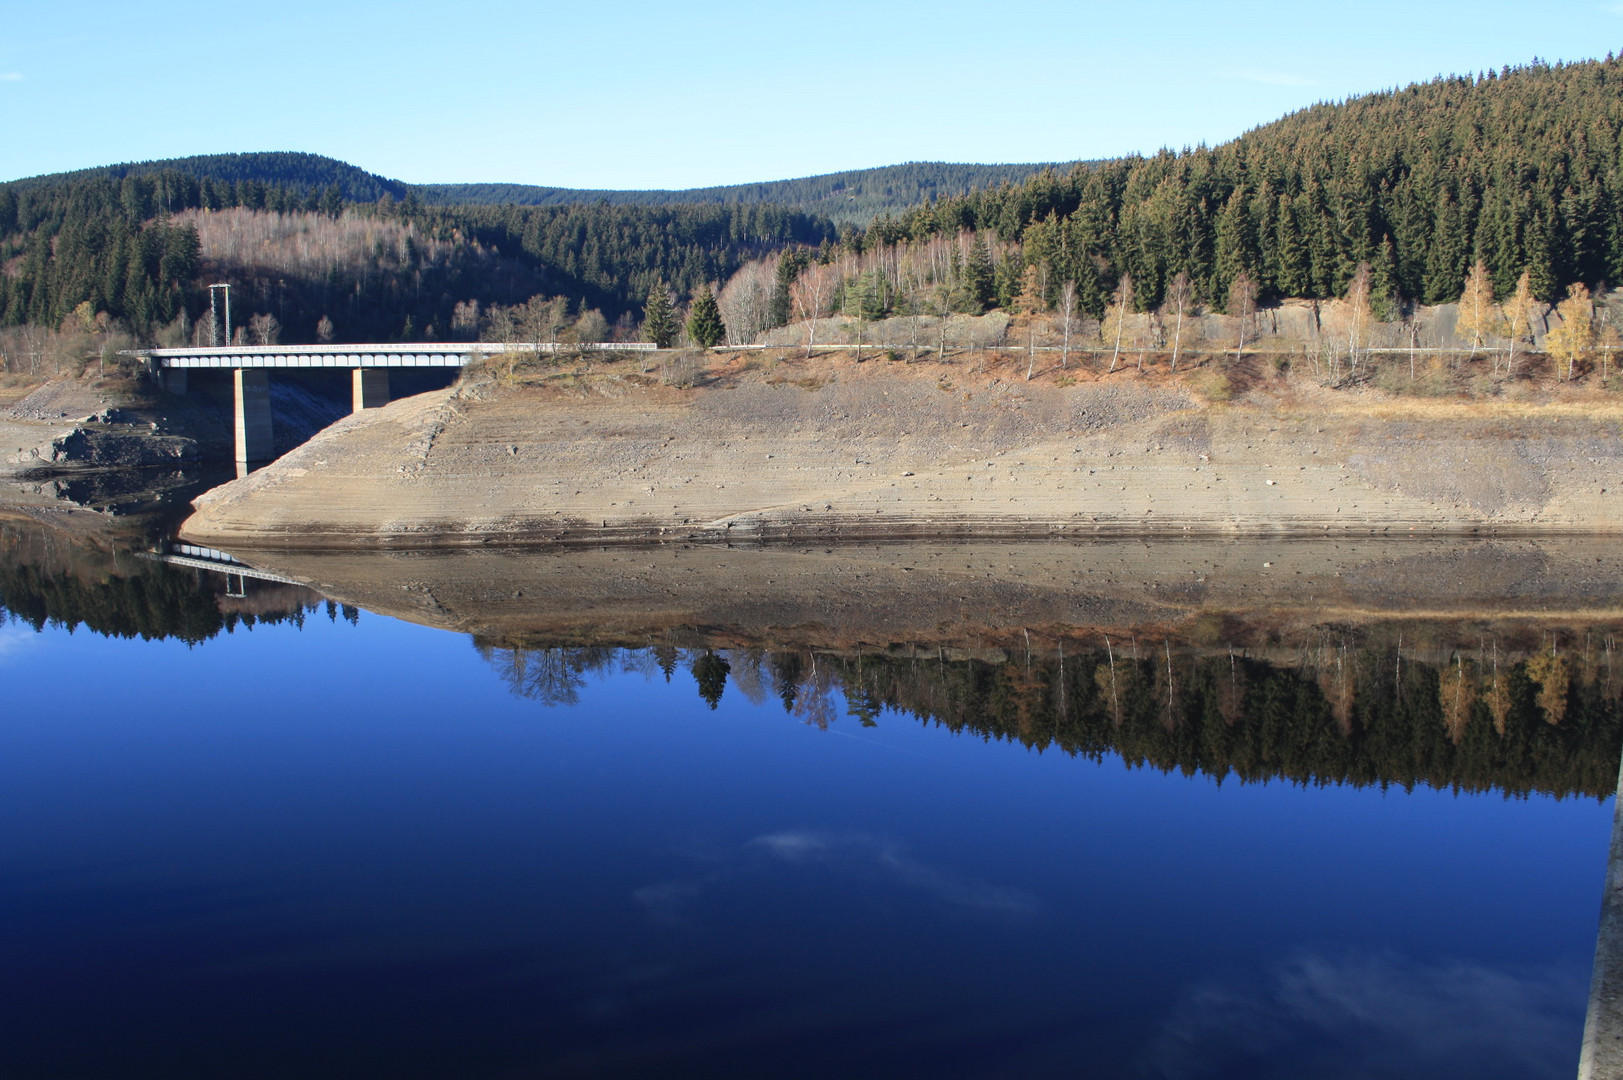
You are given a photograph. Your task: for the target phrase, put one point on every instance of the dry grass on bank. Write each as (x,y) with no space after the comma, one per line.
(1386,386)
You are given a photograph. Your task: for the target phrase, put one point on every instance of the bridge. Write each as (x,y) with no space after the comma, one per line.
(251,367)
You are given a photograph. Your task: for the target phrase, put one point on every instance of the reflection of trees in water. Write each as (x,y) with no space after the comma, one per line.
(1550,722)
(710,671)
(1331,710)
(152,601)
(550,676)
(555,675)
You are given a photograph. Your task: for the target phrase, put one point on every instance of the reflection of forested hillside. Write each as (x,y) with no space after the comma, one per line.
(161,604)
(156,601)
(51,578)
(1547,722)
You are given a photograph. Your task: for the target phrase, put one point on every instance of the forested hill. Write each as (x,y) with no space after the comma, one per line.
(856,196)
(142,249)
(304,174)
(1522,168)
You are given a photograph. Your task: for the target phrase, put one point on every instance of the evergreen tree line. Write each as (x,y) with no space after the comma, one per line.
(855,197)
(611,257)
(1522,169)
(297,174)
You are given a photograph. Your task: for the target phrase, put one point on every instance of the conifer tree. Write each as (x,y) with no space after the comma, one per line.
(790,264)
(659,317)
(710,672)
(705,328)
(977,286)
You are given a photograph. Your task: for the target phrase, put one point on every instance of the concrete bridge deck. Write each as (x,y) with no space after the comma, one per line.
(442,354)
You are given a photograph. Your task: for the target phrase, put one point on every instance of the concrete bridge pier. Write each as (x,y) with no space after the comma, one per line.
(371,388)
(256,443)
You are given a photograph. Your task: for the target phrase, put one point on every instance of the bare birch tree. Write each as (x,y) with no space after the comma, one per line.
(746,301)
(1519,312)
(265,330)
(1358,314)
(1116,316)
(1243,306)
(1067,310)
(811,295)
(1478,318)
(1179,295)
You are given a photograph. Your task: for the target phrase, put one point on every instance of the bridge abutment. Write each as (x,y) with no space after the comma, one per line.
(371,388)
(255,439)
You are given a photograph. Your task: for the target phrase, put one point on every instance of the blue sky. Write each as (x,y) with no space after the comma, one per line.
(635,94)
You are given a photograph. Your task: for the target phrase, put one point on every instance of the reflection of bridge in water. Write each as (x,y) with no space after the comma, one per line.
(237,574)
(251,367)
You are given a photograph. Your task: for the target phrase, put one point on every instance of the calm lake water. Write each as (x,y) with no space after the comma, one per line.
(341,844)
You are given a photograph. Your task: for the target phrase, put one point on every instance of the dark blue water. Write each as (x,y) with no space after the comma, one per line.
(351,851)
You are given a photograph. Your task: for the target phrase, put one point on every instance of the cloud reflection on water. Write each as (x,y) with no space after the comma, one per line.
(1379,1015)
(15,639)
(853,857)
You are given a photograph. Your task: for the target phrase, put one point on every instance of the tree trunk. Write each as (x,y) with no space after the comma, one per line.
(1177,338)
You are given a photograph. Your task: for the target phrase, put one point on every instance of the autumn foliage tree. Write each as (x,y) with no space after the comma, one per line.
(1518,312)
(1479,319)
(1570,339)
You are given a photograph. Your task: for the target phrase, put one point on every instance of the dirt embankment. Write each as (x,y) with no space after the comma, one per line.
(826,451)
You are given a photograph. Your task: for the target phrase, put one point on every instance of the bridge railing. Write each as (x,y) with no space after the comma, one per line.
(437,354)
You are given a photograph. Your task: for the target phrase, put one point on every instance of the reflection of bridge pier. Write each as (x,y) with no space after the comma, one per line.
(1602,1057)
